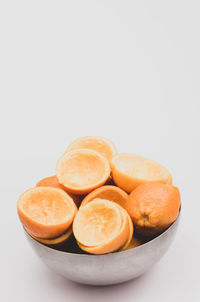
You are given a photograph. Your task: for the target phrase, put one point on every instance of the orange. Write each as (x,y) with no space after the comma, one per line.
(46,212)
(131,229)
(133,243)
(101,227)
(111,193)
(99,144)
(54,241)
(129,171)
(82,170)
(52,181)
(153,207)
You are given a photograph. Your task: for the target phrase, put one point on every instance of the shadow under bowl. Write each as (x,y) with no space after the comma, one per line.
(105,269)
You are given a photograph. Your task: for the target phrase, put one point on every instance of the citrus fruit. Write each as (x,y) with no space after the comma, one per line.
(133,243)
(129,171)
(46,212)
(100,144)
(57,240)
(153,207)
(101,227)
(52,181)
(131,229)
(82,170)
(111,193)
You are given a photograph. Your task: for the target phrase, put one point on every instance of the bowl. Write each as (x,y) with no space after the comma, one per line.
(107,269)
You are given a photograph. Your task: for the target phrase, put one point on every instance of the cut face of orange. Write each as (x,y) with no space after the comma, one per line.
(128,171)
(101,226)
(96,221)
(54,241)
(97,143)
(111,193)
(46,212)
(52,181)
(82,170)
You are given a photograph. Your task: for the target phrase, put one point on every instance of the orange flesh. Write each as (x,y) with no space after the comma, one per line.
(96,222)
(140,167)
(82,170)
(115,243)
(46,212)
(46,209)
(130,170)
(96,143)
(111,193)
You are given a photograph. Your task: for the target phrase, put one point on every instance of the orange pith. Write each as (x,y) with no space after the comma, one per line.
(46,212)
(82,170)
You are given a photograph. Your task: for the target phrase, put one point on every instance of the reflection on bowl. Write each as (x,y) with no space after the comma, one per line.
(105,269)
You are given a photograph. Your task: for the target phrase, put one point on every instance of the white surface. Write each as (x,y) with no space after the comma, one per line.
(127,70)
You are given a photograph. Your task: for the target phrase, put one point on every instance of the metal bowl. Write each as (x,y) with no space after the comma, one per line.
(106,269)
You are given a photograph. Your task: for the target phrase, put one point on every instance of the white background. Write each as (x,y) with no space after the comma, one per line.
(126,70)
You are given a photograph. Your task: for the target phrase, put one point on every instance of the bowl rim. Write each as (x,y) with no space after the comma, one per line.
(112,253)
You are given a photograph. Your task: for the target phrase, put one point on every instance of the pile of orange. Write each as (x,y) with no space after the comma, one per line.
(108,201)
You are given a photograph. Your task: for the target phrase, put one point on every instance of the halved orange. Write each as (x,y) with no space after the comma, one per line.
(111,193)
(82,170)
(52,181)
(129,171)
(131,229)
(101,227)
(54,241)
(46,212)
(100,144)
(133,243)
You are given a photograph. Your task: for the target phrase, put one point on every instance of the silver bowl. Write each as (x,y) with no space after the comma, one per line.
(106,269)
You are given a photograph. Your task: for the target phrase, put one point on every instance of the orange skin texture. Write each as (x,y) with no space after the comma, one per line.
(153,207)
(37,227)
(111,193)
(52,181)
(83,170)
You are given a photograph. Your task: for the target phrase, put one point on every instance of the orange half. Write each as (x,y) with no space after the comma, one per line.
(52,181)
(54,241)
(46,212)
(111,193)
(83,170)
(131,229)
(96,222)
(111,234)
(99,144)
(129,171)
